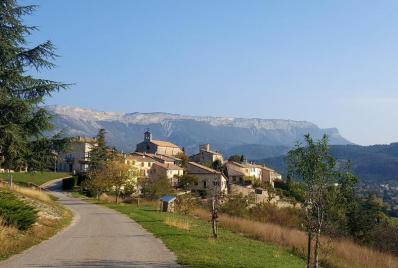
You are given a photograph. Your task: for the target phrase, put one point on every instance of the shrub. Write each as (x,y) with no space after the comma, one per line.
(185,204)
(156,189)
(237,205)
(81,177)
(287,216)
(15,212)
(68,183)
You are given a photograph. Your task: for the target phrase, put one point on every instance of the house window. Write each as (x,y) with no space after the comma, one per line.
(204,184)
(142,164)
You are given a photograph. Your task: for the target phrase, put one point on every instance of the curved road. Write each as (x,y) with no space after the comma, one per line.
(98,237)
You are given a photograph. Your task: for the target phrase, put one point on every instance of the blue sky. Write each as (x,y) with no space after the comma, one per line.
(334,63)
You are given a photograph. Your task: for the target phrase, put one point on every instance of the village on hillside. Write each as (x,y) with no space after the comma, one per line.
(155,159)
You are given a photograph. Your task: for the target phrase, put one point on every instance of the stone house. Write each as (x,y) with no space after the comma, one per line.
(240,173)
(157,147)
(269,175)
(77,156)
(206,156)
(209,179)
(245,173)
(170,171)
(140,161)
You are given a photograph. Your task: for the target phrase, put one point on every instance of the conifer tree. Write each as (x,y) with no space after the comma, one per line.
(100,152)
(22,120)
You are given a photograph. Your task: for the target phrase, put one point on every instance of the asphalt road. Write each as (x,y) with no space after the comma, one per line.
(98,237)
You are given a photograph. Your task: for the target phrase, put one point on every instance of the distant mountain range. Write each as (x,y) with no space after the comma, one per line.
(253,137)
(376,163)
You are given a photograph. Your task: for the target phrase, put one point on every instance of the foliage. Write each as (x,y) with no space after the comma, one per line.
(314,165)
(186,181)
(184,159)
(100,152)
(185,204)
(118,174)
(287,216)
(157,188)
(22,121)
(244,207)
(237,205)
(16,212)
(290,189)
(43,152)
(96,183)
(236,158)
(69,183)
(217,165)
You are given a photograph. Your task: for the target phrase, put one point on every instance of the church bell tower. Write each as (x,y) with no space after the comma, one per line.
(147,136)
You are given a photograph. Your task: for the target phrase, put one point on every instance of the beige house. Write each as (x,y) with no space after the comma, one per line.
(157,147)
(245,173)
(240,173)
(209,179)
(170,171)
(141,162)
(269,175)
(206,156)
(76,157)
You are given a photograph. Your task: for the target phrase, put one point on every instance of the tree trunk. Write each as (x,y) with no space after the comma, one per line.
(309,247)
(214,218)
(317,247)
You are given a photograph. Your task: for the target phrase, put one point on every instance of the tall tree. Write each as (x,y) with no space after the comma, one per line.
(22,120)
(100,152)
(314,165)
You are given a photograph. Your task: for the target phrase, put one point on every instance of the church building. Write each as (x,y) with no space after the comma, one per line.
(151,146)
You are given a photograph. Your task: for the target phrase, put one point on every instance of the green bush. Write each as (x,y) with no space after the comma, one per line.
(68,183)
(158,188)
(16,212)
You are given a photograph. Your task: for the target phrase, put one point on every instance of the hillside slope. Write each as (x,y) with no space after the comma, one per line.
(376,163)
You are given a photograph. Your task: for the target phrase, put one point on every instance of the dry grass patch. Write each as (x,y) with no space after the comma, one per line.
(52,218)
(336,253)
(183,224)
(28,192)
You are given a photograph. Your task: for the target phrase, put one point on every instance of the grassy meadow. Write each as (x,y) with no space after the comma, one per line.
(191,240)
(37,178)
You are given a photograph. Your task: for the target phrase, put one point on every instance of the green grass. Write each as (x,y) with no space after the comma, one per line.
(196,247)
(36,178)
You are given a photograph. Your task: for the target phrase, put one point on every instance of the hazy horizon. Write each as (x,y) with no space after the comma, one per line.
(332,63)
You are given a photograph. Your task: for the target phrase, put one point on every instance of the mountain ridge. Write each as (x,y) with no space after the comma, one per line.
(126,129)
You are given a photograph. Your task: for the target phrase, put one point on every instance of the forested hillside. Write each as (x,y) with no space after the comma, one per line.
(376,163)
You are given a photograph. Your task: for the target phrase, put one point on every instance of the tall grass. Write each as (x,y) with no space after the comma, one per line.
(183,224)
(336,253)
(29,192)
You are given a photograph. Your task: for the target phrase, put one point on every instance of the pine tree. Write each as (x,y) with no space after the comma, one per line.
(100,153)
(22,120)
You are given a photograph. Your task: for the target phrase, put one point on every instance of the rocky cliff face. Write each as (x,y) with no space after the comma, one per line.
(125,130)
